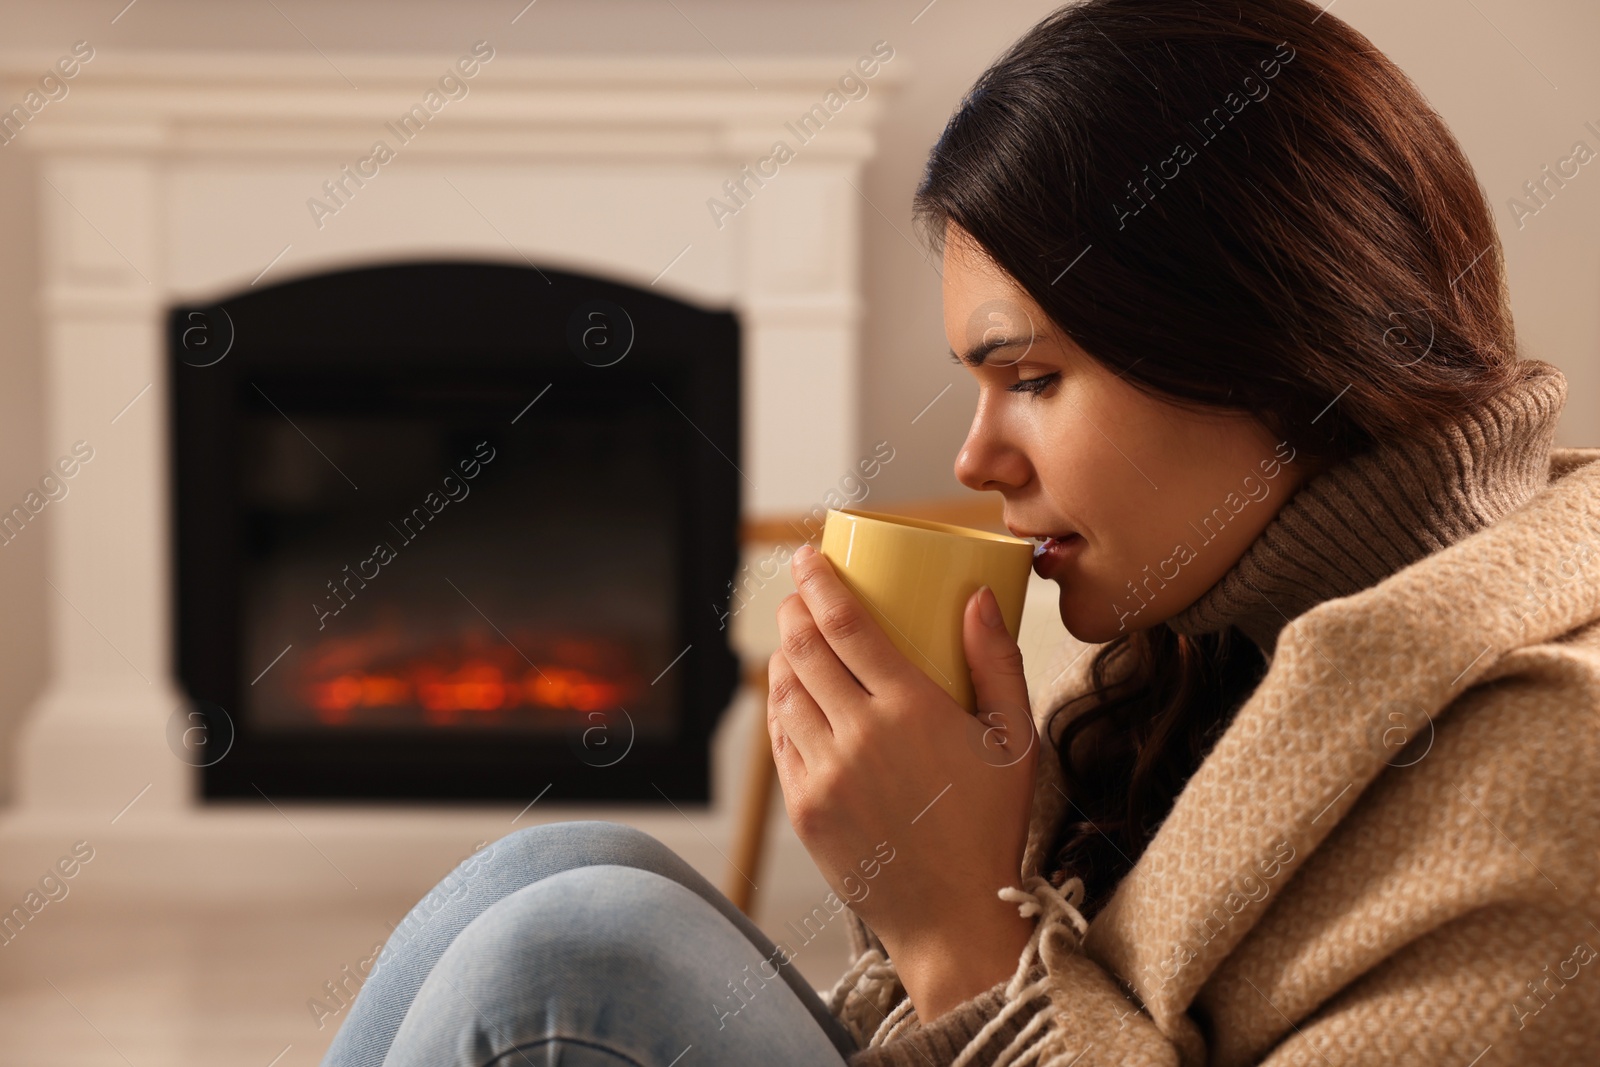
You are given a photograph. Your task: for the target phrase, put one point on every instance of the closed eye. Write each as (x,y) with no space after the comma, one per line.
(1033,386)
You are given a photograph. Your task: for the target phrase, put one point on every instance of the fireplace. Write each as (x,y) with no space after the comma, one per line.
(453,530)
(181,182)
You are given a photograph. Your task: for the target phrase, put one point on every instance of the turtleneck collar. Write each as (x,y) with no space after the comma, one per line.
(1359,521)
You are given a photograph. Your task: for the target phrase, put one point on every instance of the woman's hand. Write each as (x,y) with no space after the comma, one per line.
(876,760)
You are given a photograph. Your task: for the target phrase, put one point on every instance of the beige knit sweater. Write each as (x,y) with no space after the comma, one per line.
(1392,854)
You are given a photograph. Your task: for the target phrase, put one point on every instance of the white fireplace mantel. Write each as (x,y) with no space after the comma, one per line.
(166,178)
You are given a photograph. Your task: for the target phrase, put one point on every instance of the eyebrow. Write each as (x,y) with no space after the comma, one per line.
(979,353)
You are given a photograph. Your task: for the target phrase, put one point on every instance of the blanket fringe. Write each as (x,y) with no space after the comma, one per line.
(901,1018)
(1058,933)
(866,979)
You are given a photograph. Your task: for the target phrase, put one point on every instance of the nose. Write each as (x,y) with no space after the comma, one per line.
(986,460)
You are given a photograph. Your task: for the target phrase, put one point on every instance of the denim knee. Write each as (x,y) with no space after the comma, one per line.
(580,843)
(618,914)
(619,958)
(568,953)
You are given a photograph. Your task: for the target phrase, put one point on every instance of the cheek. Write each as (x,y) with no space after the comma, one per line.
(1138,478)
(1130,506)
(1099,482)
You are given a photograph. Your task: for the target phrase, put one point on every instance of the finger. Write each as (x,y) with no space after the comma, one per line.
(998,679)
(785,757)
(816,664)
(792,714)
(850,630)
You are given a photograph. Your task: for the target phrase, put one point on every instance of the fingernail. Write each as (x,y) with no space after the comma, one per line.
(805,553)
(989,608)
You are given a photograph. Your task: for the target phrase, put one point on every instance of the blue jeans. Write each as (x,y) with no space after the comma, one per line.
(583,943)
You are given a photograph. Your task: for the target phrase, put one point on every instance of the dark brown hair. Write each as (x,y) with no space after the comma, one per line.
(1236,205)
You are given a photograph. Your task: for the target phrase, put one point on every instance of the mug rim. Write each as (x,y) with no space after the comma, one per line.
(932,526)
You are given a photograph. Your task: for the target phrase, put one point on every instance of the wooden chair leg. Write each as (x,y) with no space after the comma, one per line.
(750,838)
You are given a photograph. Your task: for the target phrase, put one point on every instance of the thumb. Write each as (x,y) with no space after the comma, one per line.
(997,675)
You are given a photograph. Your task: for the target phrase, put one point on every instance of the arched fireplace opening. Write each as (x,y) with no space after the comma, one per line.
(454,530)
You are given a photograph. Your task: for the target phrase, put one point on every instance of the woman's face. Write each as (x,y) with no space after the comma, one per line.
(1164,500)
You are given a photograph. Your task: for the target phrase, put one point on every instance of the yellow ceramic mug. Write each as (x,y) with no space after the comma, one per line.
(914,577)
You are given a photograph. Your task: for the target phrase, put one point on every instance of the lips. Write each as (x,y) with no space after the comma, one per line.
(1050,553)
(1042,545)
(1040,540)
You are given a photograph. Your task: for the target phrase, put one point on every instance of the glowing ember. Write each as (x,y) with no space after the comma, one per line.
(486,682)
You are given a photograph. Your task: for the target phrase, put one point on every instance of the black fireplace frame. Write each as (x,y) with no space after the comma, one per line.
(509,324)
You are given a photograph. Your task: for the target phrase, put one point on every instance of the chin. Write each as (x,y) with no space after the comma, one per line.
(1087,617)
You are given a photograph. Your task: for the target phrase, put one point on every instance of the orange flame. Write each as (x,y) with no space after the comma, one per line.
(449,685)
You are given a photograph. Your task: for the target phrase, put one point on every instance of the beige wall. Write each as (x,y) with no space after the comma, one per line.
(1516,80)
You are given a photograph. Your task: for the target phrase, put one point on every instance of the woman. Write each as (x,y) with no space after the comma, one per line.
(1319,790)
